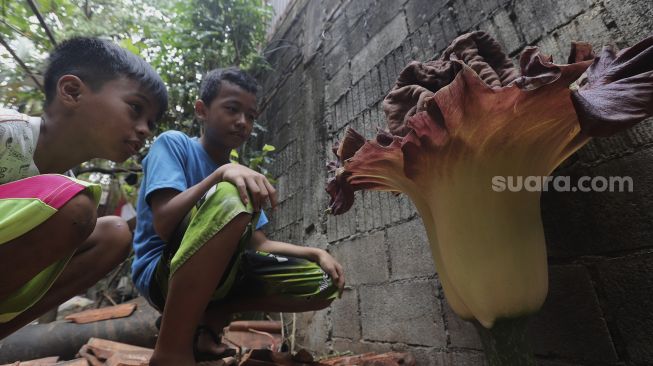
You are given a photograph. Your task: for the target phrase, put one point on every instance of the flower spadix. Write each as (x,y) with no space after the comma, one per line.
(456,122)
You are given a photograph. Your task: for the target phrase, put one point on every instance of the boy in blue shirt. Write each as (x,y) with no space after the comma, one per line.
(200,255)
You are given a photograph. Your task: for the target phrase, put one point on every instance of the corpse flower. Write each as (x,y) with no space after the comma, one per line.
(456,122)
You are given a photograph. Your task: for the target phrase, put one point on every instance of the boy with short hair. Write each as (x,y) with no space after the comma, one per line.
(200,255)
(101,102)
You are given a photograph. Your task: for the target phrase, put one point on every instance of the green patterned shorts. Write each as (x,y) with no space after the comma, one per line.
(250,274)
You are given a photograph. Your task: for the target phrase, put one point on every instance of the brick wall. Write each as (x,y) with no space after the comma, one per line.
(333,62)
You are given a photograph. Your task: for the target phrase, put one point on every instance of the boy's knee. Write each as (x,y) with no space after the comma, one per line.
(82,215)
(114,235)
(223,204)
(226,195)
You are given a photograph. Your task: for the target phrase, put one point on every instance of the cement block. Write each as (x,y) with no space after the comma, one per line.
(527,14)
(410,253)
(346,224)
(285,59)
(314,18)
(571,324)
(545,362)
(422,49)
(501,28)
(342,345)
(465,14)
(293,233)
(386,79)
(334,61)
(394,203)
(314,80)
(378,16)
(284,135)
(288,211)
(464,358)
(462,333)
(408,50)
(282,187)
(585,223)
(488,7)
(353,102)
(364,210)
(587,27)
(632,17)
(626,286)
(360,97)
(312,329)
(337,86)
(380,208)
(284,26)
(345,316)
(599,150)
(442,31)
(364,259)
(382,43)
(331,229)
(395,64)
(407,312)
(377,92)
(357,37)
(386,208)
(334,31)
(420,11)
(369,210)
(356,9)
(365,91)
(340,114)
(536,18)
(566,10)
(408,209)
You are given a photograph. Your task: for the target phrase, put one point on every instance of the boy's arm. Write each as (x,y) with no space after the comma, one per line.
(169,206)
(317,255)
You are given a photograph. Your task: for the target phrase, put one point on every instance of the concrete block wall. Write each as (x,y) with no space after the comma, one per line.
(333,61)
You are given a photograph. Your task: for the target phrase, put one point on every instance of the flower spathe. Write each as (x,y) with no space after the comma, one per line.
(456,122)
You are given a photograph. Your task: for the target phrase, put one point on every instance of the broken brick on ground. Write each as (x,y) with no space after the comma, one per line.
(101,352)
(256,342)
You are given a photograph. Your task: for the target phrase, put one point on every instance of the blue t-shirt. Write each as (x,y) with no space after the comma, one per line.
(174,161)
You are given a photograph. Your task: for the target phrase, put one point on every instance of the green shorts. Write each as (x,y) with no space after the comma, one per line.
(26,204)
(250,274)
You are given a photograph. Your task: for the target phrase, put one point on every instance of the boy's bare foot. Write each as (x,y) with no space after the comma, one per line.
(209,347)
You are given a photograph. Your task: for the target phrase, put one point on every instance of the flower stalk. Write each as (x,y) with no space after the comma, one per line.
(506,343)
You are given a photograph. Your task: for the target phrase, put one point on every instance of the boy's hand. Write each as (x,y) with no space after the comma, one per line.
(246,179)
(332,268)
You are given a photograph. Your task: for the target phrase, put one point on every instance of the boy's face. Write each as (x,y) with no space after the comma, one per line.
(120,116)
(229,119)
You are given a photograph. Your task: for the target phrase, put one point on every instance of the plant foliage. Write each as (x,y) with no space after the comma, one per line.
(182,39)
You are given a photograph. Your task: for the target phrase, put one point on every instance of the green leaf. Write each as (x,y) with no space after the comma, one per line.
(129,45)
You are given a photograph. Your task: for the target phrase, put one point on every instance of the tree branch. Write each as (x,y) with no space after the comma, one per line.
(42,21)
(107,171)
(12,27)
(21,63)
